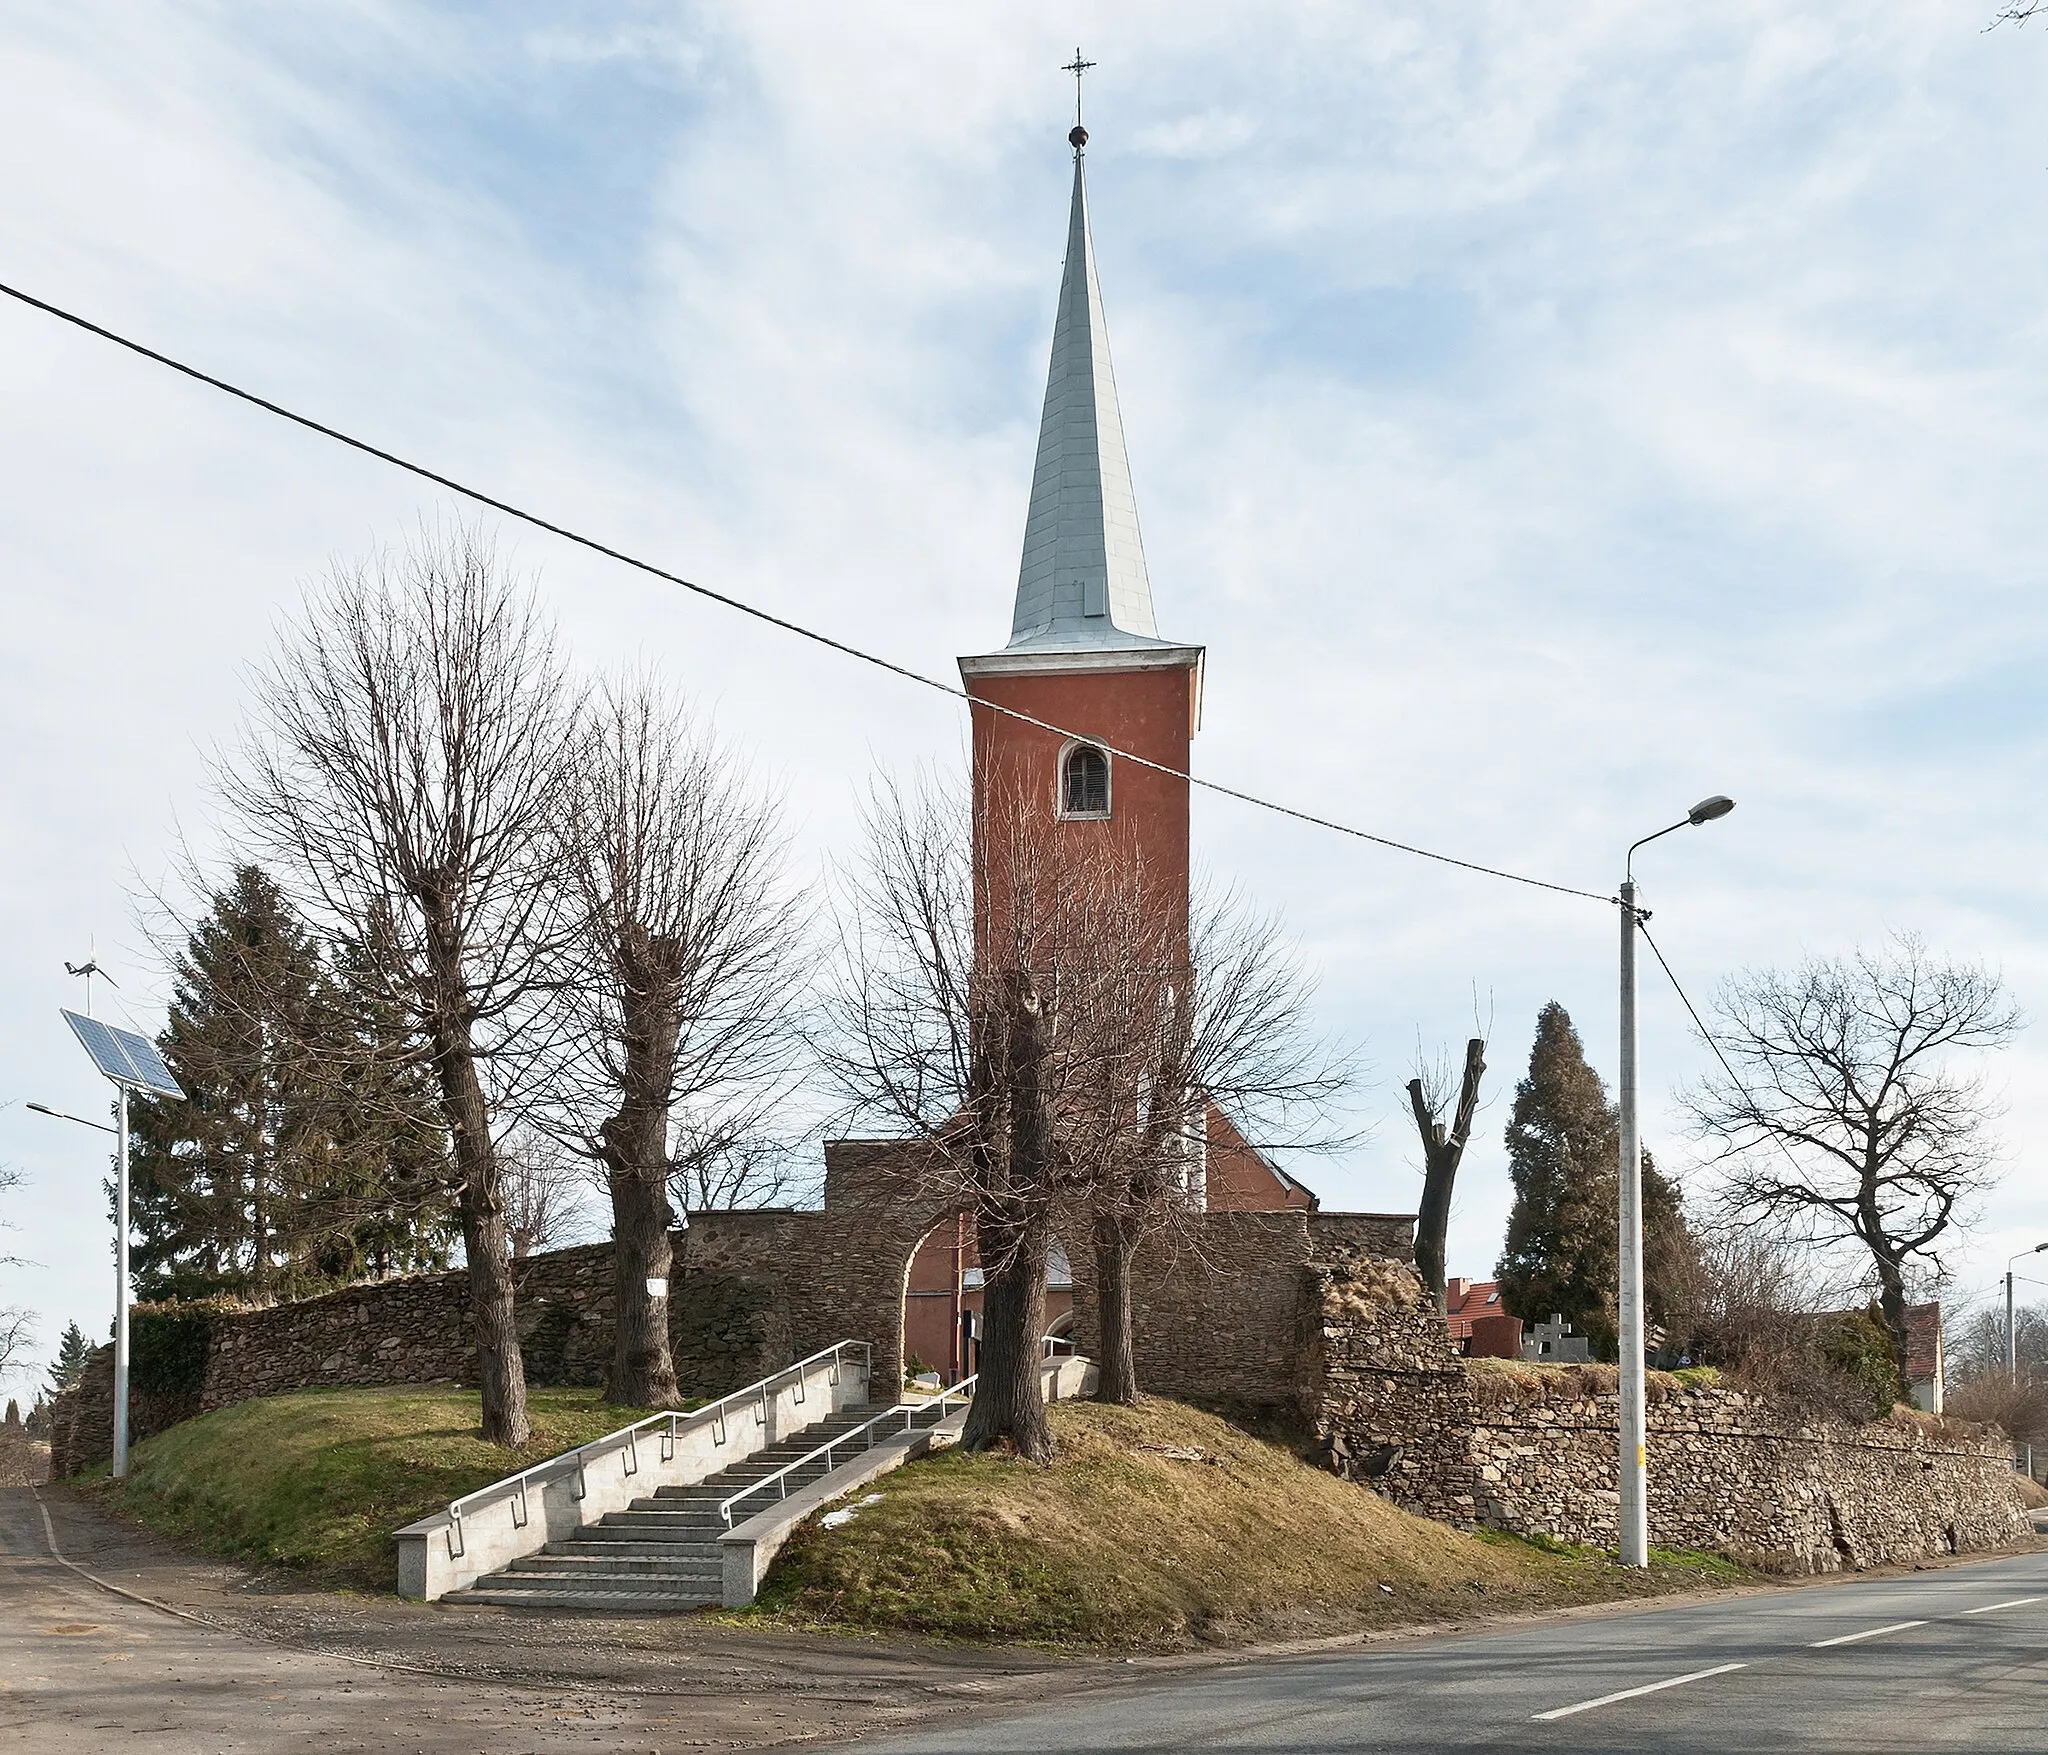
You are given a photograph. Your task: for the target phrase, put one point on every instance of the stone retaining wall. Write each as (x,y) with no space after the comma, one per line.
(1228,1316)
(1533,1450)
(1735,1474)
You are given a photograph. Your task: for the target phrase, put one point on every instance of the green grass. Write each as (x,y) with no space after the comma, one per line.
(1121,1543)
(318,1481)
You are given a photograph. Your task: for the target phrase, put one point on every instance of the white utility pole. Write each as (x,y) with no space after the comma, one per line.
(121,1296)
(129,1062)
(1635,1484)
(1634,1519)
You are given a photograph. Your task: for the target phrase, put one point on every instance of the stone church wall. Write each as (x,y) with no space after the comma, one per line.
(1534,1450)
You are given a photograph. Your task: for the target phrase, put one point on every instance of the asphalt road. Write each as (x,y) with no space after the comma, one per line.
(1949,1659)
(1955,1658)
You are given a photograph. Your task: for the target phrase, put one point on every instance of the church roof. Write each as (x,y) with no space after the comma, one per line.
(1082,586)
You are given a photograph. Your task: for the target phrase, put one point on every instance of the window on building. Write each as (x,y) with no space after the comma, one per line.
(1084,782)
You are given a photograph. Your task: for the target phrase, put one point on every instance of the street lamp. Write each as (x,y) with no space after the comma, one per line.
(130,1063)
(2012,1334)
(1635,1508)
(66,1115)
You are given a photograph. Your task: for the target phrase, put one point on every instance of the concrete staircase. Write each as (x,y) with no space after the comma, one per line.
(662,1552)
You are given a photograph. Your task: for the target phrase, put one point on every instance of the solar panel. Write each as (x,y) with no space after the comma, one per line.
(123,1056)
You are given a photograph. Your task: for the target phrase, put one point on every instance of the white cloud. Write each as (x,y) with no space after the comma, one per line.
(1545,418)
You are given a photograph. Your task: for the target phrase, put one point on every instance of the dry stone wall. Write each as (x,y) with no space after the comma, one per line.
(1534,1450)
(1738,1474)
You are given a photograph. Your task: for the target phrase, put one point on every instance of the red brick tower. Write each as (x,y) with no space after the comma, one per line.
(1084,652)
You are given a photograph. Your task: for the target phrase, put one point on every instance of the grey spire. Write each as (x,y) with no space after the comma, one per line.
(1083,582)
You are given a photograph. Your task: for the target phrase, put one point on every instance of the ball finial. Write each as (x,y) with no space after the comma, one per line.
(1078,138)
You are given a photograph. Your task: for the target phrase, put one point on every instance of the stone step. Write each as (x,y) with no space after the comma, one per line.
(662,1552)
(686,1564)
(625,1546)
(598,1578)
(497,1593)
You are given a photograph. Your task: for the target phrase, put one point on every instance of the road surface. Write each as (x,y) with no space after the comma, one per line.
(1951,1659)
(1955,1658)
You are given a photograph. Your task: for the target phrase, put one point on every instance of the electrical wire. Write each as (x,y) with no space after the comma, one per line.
(783,623)
(1707,1036)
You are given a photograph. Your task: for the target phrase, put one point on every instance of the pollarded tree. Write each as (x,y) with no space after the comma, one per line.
(677,986)
(1444,1124)
(405,776)
(1850,1114)
(1562,1254)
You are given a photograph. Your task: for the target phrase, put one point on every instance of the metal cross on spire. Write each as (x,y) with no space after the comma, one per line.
(1077,67)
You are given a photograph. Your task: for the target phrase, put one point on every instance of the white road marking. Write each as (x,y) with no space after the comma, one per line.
(1867,1633)
(1648,1688)
(2016,1603)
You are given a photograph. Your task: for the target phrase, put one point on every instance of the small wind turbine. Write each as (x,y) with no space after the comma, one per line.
(89,968)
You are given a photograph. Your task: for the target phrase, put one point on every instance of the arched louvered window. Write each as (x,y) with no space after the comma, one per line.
(1084,782)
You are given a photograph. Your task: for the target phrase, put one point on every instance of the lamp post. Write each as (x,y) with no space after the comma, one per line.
(2012,1333)
(1635,1509)
(130,1063)
(120,1464)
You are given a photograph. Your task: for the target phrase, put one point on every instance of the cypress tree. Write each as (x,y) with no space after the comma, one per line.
(1562,1253)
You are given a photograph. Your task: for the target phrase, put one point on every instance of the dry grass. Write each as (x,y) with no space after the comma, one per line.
(1157,1527)
(319,1481)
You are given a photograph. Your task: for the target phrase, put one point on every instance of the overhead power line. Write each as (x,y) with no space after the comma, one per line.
(783,623)
(1708,1037)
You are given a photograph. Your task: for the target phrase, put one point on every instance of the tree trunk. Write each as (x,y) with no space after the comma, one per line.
(1443,1149)
(500,1367)
(1433,1213)
(643,1373)
(1009,1400)
(1116,1364)
(1013,1232)
(1891,1304)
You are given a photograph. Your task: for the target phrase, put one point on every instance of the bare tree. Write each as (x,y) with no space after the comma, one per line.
(1443,1150)
(404,772)
(17,1326)
(544,1187)
(1035,1015)
(679,989)
(1159,1032)
(1755,1304)
(715,1169)
(17,1336)
(1977,1346)
(1845,1116)
(947,1032)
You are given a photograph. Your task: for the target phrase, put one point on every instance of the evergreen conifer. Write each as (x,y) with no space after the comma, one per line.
(69,1363)
(305,1153)
(1562,1254)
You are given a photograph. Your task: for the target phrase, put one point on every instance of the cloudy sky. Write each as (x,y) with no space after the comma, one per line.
(1545,415)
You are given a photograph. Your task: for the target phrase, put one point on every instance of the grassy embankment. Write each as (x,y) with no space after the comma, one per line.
(1158,1527)
(318,1481)
(1153,1528)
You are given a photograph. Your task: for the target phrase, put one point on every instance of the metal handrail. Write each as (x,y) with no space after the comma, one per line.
(673,1424)
(907,1410)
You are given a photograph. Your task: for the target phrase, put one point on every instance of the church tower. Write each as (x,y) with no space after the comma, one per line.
(1084,652)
